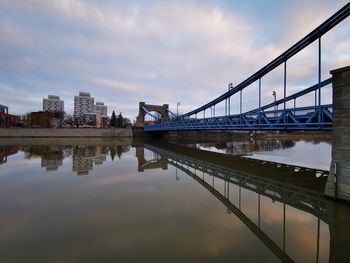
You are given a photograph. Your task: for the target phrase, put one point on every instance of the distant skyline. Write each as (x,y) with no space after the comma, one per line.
(124,52)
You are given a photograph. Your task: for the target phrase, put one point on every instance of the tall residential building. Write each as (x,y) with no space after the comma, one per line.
(53,103)
(100,108)
(83,104)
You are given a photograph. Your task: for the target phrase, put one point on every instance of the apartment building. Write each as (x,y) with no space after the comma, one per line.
(100,108)
(53,104)
(83,103)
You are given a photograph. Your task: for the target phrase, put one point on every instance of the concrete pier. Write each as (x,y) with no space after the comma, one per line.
(338,185)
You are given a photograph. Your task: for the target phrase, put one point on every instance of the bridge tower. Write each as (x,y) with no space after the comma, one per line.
(338,185)
(163,110)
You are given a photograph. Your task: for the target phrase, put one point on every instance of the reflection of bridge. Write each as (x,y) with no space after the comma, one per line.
(275,185)
(316,116)
(284,183)
(153,163)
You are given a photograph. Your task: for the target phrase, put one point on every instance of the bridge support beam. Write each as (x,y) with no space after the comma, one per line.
(338,185)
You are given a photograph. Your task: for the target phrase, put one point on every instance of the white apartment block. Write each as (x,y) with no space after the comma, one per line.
(100,108)
(53,103)
(83,103)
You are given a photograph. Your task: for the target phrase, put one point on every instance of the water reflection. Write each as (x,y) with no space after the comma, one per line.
(246,146)
(5,151)
(84,157)
(188,204)
(293,187)
(51,155)
(293,152)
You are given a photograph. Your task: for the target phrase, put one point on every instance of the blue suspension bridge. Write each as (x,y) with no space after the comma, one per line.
(272,116)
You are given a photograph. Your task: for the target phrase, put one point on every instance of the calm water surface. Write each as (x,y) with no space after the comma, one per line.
(108,201)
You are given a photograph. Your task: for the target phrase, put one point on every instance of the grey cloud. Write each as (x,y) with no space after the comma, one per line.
(163,52)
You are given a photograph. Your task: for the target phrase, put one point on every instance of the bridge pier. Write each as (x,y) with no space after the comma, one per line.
(338,185)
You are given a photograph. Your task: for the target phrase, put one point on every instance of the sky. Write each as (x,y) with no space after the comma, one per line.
(159,52)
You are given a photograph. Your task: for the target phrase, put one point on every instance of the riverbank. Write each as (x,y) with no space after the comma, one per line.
(64,133)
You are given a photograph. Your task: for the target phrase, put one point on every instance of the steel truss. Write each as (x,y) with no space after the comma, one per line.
(304,118)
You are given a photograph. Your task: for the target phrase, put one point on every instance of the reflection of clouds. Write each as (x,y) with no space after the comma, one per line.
(124,178)
(121,211)
(150,215)
(301,154)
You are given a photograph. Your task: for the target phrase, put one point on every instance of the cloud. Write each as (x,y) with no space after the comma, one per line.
(159,52)
(10,34)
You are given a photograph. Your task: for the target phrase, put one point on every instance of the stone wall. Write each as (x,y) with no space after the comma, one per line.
(65,132)
(338,185)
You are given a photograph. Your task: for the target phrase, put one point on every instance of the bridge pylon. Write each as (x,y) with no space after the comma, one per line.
(338,185)
(144,108)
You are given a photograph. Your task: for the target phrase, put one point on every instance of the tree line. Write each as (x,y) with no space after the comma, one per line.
(116,121)
(119,121)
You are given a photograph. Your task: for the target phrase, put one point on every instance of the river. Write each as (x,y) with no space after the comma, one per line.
(66,200)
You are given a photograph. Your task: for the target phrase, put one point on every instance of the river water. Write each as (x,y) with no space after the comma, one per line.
(121,201)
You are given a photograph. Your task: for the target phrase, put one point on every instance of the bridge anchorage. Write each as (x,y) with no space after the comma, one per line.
(288,113)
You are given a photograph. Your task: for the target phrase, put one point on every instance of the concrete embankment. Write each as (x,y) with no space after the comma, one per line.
(64,132)
(236,135)
(171,136)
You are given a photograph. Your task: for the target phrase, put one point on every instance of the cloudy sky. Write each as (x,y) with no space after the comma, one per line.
(123,52)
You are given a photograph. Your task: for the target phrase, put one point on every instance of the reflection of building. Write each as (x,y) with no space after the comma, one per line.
(53,103)
(53,158)
(51,155)
(84,158)
(51,165)
(7,151)
(83,104)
